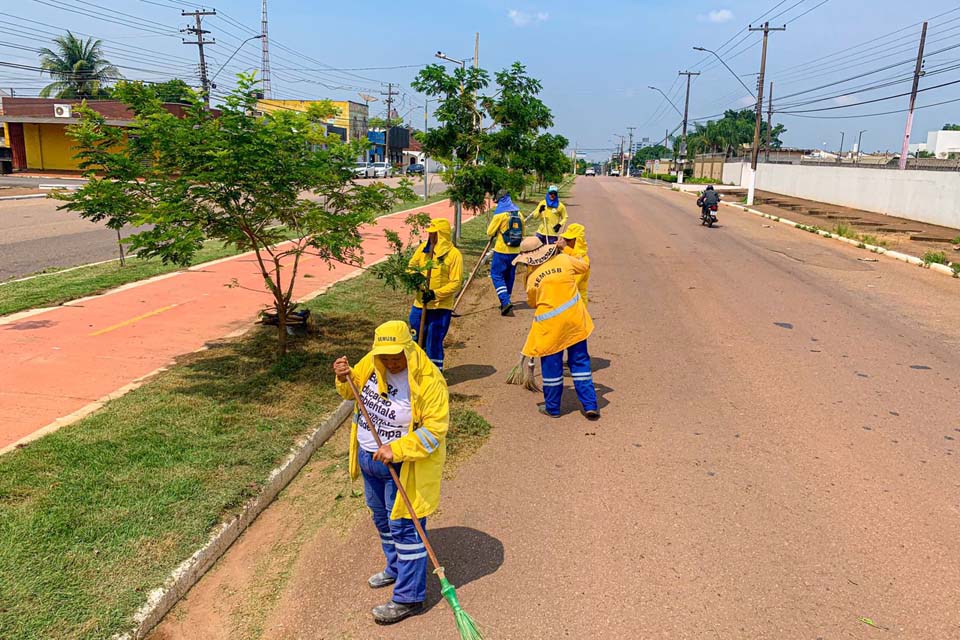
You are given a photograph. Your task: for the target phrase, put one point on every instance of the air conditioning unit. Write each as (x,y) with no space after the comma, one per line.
(63,111)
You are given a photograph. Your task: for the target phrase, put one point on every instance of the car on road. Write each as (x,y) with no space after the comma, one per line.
(361,170)
(590,172)
(381,170)
(614,173)
(415,170)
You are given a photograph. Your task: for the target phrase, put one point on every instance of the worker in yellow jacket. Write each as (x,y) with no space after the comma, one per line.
(552,215)
(573,242)
(406,397)
(439,294)
(560,323)
(506,227)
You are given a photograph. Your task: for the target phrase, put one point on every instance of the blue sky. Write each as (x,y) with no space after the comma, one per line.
(596,60)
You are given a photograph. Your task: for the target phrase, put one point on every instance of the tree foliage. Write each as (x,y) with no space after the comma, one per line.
(78,68)
(950,127)
(174,91)
(232,177)
(728,134)
(657,151)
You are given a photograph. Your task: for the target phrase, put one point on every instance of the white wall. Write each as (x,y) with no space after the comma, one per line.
(732,173)
(925,196)
(943,143)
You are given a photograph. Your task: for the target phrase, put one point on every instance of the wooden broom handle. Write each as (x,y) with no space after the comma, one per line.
(473,273)
(393,473)
(423,308)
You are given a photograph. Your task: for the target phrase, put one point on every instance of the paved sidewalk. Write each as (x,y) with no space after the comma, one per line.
(63,363)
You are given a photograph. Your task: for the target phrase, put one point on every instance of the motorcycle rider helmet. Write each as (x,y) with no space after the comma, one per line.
(709,187)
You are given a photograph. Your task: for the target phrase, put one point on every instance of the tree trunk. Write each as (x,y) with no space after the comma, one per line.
(281,329)
(123,262)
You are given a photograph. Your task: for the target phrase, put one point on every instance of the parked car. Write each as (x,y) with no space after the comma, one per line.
(415,170)
(381,170)
(615,173)
(361,170)
(590,172)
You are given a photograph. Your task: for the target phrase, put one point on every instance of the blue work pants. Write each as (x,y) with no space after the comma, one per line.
(503,273)
(436,327)
(551,368)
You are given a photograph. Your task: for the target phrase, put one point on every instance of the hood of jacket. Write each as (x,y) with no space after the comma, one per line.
(440,226)
(577,231)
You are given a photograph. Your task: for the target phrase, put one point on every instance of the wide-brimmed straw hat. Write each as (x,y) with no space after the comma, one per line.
(534,253)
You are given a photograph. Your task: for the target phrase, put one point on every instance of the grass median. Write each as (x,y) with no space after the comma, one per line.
(94,516)
(56,287)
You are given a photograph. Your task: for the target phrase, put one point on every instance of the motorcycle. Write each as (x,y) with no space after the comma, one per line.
(708,213)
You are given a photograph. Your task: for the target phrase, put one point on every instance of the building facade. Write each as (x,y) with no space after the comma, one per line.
(351,116)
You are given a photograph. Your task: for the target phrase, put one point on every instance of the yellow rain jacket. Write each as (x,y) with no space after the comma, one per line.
(424,449)
(447,274)
(579,233)
(550,218)
(498,225)
(560,316)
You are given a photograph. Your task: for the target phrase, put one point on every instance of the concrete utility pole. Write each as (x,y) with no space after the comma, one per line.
(859,142)
(769,123)
(386,134)
(843,135)
(686,116)
(617,135)
(905,149)
(630,148)
(754,156)
(199,32)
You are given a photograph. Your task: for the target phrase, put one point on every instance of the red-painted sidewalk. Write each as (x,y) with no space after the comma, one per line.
(59,363)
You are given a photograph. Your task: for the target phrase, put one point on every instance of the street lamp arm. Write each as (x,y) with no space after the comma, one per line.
(732,72)
(667,99)
(224,65)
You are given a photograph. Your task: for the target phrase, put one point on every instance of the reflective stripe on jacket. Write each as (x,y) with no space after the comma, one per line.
(560,315)
(423,450)
(498,225)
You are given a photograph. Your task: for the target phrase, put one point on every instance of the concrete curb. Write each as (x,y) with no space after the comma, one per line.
(161,600)
(896,255)
(29,196)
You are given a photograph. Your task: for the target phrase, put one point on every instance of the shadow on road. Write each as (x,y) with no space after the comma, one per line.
(468,372)
(466,555)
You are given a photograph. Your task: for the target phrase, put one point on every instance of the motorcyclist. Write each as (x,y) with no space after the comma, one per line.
(709,198)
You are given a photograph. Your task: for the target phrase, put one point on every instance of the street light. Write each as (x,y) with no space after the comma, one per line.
(752,95)
(223,66)
(668,100)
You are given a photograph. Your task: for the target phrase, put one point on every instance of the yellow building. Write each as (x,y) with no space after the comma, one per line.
(352,116)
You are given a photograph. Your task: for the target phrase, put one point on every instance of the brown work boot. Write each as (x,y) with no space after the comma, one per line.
(394,612)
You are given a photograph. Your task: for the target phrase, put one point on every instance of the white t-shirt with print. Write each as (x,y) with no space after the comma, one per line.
(391,414)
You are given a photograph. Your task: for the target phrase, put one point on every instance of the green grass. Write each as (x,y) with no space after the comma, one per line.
(94,516)
(845,231)
(935,257)
(56,287)
(956,240)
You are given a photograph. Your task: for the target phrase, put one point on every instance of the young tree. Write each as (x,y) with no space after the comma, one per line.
(228,176)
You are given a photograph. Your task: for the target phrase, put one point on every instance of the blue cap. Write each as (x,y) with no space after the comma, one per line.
(505,205)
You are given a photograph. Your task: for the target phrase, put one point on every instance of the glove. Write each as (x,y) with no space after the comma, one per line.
(556,228)
(429,296)
(543,208)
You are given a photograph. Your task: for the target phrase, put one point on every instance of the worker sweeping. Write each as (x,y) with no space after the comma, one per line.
(406,397)
(552,215)
(506,227)
(444,263)
(560,323)
(573,242)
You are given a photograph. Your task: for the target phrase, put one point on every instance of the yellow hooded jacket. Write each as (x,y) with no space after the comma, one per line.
(498,225)
(447,274)
(578,232)
(560,317)
(423,450)
(550,218)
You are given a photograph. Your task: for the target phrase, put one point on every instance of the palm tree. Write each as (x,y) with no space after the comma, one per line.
(78,68)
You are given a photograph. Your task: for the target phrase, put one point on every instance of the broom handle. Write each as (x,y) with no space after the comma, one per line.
(393,473)
(473,273)
(423,316)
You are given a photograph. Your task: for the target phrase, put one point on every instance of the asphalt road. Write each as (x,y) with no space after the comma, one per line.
(777,456)
(35,236)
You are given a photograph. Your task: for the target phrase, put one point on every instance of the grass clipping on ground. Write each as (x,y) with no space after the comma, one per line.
(96,515)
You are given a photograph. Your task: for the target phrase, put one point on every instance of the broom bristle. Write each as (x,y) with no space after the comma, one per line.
(523,374)
(516,374)
(466,627)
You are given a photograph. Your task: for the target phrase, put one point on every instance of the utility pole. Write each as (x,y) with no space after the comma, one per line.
(265,87)
(686,115)
(426,164)
(843,136)
(198,31)
(770,123)
(905,149)
(630,148)
(755,155)
(386,134)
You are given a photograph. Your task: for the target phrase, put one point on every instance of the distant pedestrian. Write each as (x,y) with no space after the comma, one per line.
(439,294)
(507,227)
(406,396)
(560,323)
(552,215)
(573,242)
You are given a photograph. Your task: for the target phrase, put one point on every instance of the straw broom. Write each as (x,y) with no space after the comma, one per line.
(523,374)
(466,627)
